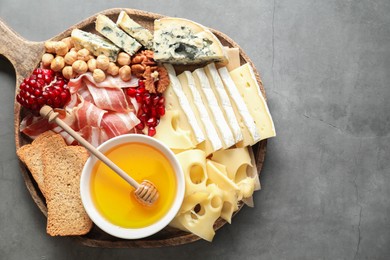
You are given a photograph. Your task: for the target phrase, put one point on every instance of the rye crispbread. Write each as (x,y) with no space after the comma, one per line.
(66,213)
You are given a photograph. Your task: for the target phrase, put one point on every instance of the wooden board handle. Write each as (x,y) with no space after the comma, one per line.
(24,55)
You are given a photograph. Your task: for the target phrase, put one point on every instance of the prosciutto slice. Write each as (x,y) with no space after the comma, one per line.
(97,111)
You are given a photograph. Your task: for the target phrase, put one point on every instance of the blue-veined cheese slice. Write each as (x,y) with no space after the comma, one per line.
(134,29)
(215,112)
(212,142)
(246,83)
(111,31)
(176,99)
(251,134)
(95,44)
(181,41)
(223,101)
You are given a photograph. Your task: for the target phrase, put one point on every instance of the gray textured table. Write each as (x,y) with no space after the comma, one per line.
(326,179)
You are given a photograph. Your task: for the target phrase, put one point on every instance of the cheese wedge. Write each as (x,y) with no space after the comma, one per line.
(215,112)
(111,31)
(181,41)
(212,142)
(245,120)
(233,55)
(134,29)
(168,132)
(246,83)
(223,101)
(176,99)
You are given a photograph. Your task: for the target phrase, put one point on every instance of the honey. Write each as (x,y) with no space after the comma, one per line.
(114,197)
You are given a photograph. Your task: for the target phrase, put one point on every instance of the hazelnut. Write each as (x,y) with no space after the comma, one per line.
(67,72)
(125,73)
(112,69)
(61,48)
(83,54)
(123,59)
(50,46)
(99,75)
(68,41)
(102,62)
(47,58)
(80,66)
(91,65)
(70,57)
(57,63)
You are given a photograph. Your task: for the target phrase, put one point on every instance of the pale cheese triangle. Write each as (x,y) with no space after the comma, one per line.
(181,41)
(233,55)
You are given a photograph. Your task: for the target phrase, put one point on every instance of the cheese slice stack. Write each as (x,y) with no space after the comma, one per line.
(181,41)
(212,142)
(213,108)
(246,83)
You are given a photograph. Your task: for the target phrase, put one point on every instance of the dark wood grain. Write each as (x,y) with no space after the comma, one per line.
(25,57)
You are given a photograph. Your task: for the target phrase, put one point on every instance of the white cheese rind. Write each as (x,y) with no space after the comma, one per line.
(184,104)
(208,97)
(249,129)
(134,29)
(223,100)
(181,41)
(245,80)
(111,31)
(95,44)
(212,142)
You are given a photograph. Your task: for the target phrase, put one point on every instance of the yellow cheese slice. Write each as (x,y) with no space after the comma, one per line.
(217,174)
(246,83)
(193,163)
(169,132)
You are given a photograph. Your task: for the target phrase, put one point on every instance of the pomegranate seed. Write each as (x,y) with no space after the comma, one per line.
(151,122)
(141,90)
(143,117)
(140,126)
(153,112)
(161,110)
(141,83)
(147,98)
(151,131)
(131,92)
(138,97)
(155,99)
(161,101)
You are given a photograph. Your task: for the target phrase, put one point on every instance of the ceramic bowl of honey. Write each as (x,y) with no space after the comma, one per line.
(110,201)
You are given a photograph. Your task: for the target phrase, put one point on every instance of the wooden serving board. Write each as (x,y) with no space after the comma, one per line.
(25,56)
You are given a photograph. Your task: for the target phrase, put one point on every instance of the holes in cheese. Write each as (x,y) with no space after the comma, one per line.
(197,174)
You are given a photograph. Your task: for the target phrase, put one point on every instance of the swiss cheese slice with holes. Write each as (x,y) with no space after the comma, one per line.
(212,142)
(246,83)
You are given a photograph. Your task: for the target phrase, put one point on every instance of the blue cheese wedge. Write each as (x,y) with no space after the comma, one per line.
(111,31)
(134,29)
(215,112)
(223,100)
(245,120)
(212,142)
(95,44)
(181,41)
(175,99)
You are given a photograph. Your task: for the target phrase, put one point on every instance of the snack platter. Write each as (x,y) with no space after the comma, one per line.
(169,236)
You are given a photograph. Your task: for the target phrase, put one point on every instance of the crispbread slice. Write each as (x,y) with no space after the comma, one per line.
(31,155)
(66,214)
